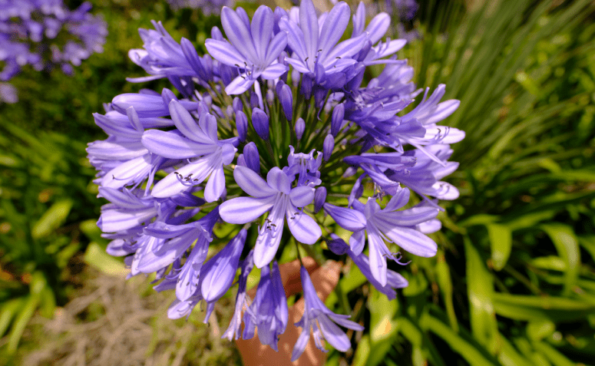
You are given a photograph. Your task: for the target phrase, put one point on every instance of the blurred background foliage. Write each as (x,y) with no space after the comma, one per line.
(514,280)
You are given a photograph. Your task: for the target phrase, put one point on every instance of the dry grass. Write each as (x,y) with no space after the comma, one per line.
(111,321)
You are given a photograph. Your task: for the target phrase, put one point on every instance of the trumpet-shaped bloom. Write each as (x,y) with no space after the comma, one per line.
(199,141)
(322,320)
(388,224)
(252,48)
(268,312)
(274,195)
(242,299)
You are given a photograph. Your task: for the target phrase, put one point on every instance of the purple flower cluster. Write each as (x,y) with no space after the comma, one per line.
(278,126)
(31,32)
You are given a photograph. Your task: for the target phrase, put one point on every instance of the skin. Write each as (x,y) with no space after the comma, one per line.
(325,279)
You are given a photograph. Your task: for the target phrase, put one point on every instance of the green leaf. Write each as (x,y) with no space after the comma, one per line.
(382,326)
(51,219)
(445,285)
(508,355)
(362,352)
(21,321)
(567,245)
(540,307)
(500,243)
(96,257)
(480,291)
(7,313)
(552,354)
(540,329)
(473,355)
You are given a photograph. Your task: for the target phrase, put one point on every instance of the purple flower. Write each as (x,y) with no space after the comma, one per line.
(328,147)
(198,141)
(300,126)
(260,122)
(316,52)
(268,312)
(322,320)
(379,224)
(253,48)
(233,331)
(218,273)
(394,280)
(28,30)
(274,195)
(163,152)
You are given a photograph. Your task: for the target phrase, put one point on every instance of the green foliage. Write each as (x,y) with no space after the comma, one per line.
(48,207)
(514,281)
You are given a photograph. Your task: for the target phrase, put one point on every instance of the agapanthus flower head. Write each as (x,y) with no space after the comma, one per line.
(46,35)
(277,127)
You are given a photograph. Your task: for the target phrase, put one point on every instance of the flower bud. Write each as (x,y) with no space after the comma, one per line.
(241,161)
(260,122)
(251,157)
(337,119)
(218,273)
(241,125)
(300,126)
(319,198)
(254,103)
(286,98)
(270,97)
(337,245)
(307,86)
(167,96)
(327,147)
(237,104)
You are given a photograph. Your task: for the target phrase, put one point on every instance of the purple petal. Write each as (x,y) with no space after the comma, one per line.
(173,146)
(378,265)
(333,28)
(303,228)
(357,242)
(122,199)
(295,38)
(309,26)
(333,334)
(129,172)
(412,241)
(276,46)
(359,20)
(278,180)
(262,30)
(348,219)
(399,200)
(238,86)
(301,196)
(274,71)
(224,53)
(189,127)
(183,179)
(239,34)
(378,27)
(215,185)
(119,220)
(218,276)
(301,343)
(252,183)
(242,210)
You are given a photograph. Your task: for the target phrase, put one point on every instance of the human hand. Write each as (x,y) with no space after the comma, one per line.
(325,279)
